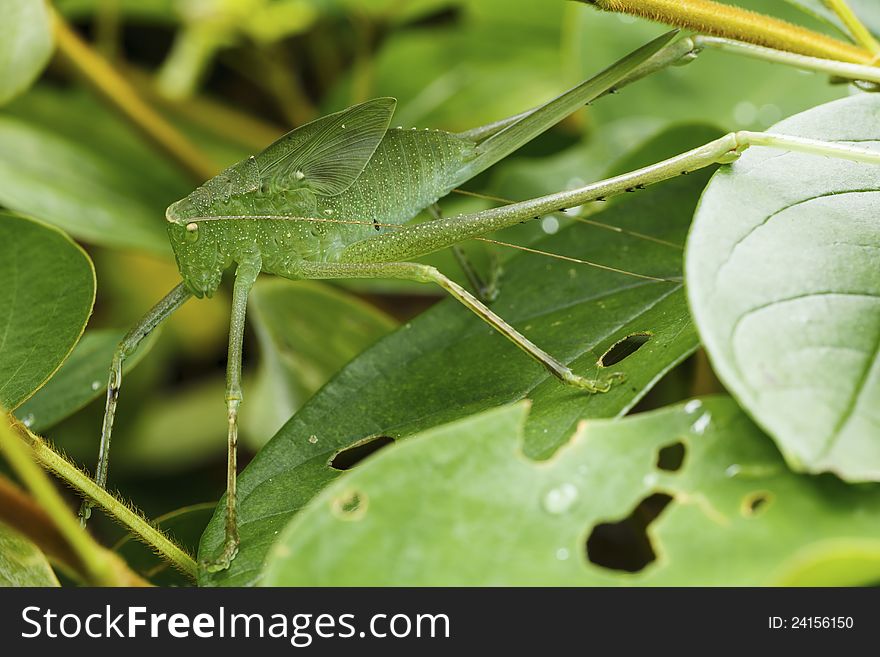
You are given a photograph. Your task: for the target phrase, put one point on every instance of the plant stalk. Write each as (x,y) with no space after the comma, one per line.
(716,19)
(100,566)
(84,484)
(856,28)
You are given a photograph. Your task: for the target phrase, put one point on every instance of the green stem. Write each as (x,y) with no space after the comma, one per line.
(856,28)
(91,556)
(136,524)
(716,19)
(855,72)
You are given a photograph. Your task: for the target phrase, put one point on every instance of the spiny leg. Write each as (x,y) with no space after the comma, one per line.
(245,276)
(416,240)
(487,291)
(426,274)
(157,314)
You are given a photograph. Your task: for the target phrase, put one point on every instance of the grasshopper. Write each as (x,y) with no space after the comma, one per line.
(329,200)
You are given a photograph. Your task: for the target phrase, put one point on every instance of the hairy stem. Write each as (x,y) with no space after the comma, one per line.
(716,19)
(100,566)
(84,484)
(856,28)
(107,82)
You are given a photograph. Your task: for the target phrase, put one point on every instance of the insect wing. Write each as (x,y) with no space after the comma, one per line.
(328,154)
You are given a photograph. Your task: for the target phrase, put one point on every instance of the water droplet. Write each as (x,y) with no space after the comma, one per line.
(313,439)
(28,420)
(732,470)
(559,500)
(192,233)
(693,406)
(96,385)
(299,175)
(699,427)
(343,125)
(562,554)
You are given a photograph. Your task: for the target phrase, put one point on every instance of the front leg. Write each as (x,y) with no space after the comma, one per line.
(245,276)
(425,274)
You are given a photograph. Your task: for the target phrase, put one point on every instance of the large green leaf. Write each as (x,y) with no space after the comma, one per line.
(783,279)
(307,331)
(80,380)
(67,161)
(21,562)
(459,505)
(25,44)
(448,364)
(46,297)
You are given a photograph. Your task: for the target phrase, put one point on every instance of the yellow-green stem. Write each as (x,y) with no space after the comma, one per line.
(856,28)
(716,19)
(136,524)
(92,557)
(107,82)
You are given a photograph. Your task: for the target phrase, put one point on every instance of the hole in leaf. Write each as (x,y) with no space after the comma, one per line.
(755,503)
(671,457)
(350,505)
(624,349)
(349,457)
(625,545)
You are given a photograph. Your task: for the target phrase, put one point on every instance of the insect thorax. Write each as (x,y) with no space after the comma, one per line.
(239,214)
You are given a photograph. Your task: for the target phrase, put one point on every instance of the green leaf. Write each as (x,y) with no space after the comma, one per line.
(25,45)
(447,364)
(783,281)
(22,563)
(82,378)
(66,161)
(459,505)
(45,301)
(868,12)
(306,331)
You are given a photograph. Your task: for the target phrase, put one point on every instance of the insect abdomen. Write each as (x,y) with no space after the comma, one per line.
(410,170)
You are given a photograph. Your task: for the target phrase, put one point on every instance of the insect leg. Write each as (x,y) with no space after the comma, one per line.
(245,276)
(426,274)
(418,239)
(486,291)
(159,313)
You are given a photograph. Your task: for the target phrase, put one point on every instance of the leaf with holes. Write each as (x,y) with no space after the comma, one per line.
(785,291)
(82,378)
(25,44)
(307,331)
(45,300)
(447,364)
(460,505)
(21,562)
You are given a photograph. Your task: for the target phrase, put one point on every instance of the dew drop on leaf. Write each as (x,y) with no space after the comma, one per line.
(560,499)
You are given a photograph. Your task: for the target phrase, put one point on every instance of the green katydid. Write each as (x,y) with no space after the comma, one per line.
(330,200)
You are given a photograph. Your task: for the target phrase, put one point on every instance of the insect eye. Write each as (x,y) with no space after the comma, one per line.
(264,187)
(192,233)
